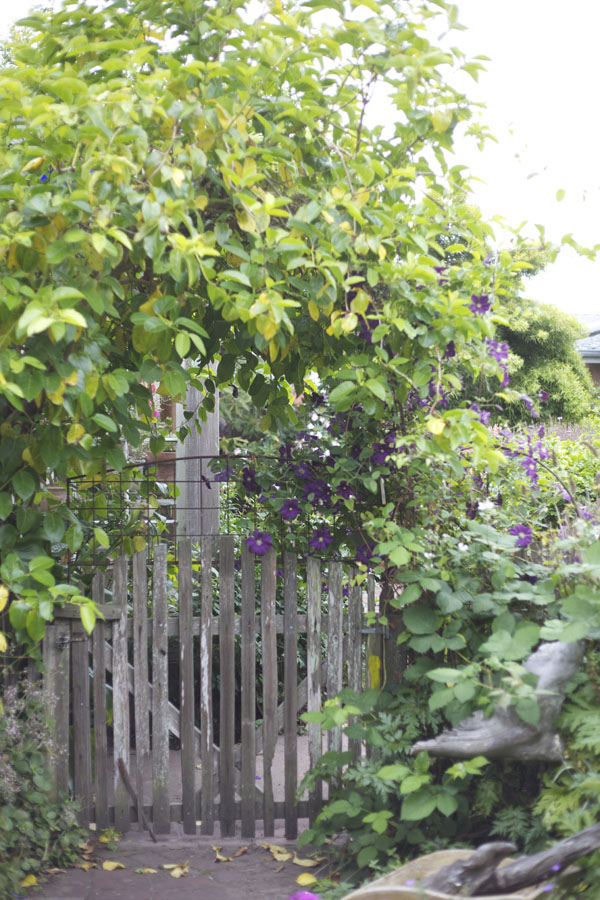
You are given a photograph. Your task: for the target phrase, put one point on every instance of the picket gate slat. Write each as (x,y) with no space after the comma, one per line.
(160,695)
(186,684)
(248,690)
(227,686)
(354,677)
(140,665)
(100,735)
(313,669)
(335,648)
(290,692)
(269,659)
(120,676)
(206,704)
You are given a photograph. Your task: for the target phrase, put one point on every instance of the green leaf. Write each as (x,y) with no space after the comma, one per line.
(342,394)
(420,619)
(447,804)
(88,617)
(24,484)
(35,625)
(101,538)
(105,422)
(53,527)
(393,772)
(6,505)
(376,387)
(417,806)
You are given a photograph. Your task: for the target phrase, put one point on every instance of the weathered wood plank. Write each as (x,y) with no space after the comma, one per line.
(160,694)
(354,677)
(290,677)
(248,679)
(57,681)
(100,736)
(227,692)
(334,647)
(269,661)
(120,693)
(140,665)
(206,704)
(82,747)
(314,675)
(186,681)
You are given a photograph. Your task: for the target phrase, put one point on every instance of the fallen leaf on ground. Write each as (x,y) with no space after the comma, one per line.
(86,847)
(307,863)
(280,868)
(305,879)
(28,881)
(110,865)
(240,852)
(278,853)
(85,864)
(55,871)
(177,870)
(219,856)
(109,835)
(146,871)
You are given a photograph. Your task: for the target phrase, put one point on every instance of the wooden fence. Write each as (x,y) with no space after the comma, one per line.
(126,660)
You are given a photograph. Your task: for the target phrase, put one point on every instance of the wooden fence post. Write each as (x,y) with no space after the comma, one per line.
(140,667)
(82,749)
(120,674)
(290,714)
(57,680)
(313,672)
(161,819)
(100,735)
(248,685)
(335,639)
(186,671)
(227,693)
(206,704)
(269,659)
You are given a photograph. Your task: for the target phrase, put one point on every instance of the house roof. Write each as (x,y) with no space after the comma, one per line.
(589,347)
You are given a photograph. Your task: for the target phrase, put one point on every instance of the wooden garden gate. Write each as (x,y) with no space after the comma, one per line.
(99,746)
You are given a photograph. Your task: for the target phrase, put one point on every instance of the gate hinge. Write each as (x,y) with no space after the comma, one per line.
(64,640)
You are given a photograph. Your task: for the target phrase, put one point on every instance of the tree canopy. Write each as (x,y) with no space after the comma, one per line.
(187,193)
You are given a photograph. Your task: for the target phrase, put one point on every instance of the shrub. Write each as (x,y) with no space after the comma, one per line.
(37,831)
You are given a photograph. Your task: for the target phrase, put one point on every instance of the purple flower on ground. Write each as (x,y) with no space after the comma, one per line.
(259,542)
(480,304)
(249,480)
(290,510)
(523,534)
(304,895)
(321,538)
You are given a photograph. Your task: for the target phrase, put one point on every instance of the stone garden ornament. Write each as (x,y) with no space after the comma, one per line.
(504,735)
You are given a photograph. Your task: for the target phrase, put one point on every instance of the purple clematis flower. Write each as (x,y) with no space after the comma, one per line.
(523,534)
(480,304)
(321,538)
(543,395)
(290,510)
(259,542)
(249,480)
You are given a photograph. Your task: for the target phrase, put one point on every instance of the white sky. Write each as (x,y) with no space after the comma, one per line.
(540,92)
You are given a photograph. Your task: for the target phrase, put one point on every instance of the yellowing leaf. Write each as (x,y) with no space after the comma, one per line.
(177,870)
(277,852)
(33,164)
(3,643)
(3,596)
(305,879)
(435,426)
(313,310)
(307,863)
(441,120)
(146,871)
(86,847)
(110,865)
(75,433)
(28,881)
(85,864)
(219,856)
(245,220)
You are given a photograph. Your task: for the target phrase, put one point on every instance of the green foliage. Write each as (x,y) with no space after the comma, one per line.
(544,359)
(37,830)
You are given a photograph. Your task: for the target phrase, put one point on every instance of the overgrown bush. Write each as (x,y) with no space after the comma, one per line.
(37,831)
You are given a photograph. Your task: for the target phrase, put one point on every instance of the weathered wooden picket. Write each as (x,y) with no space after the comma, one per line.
(94,754)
